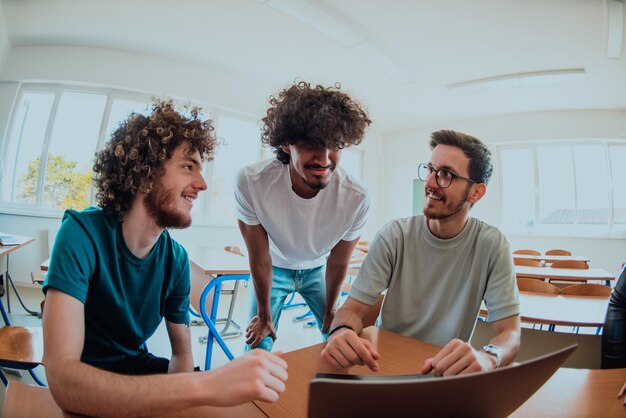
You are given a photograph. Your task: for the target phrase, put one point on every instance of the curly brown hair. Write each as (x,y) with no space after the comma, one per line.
(133,158)
(315,117)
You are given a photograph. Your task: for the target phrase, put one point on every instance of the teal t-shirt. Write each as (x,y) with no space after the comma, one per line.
(125,297)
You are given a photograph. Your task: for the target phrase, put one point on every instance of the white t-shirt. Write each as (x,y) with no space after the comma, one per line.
(301,231)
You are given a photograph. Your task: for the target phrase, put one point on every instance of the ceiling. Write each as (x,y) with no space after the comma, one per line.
(434,44)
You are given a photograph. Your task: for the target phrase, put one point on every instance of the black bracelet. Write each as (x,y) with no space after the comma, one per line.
(338,327)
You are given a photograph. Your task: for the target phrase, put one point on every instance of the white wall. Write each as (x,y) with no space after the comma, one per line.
(5,45)
(156,76)
(405,149)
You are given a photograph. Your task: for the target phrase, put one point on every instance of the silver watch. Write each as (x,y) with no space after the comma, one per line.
(494,351)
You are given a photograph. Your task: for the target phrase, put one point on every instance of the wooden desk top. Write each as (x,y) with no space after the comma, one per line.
(552,258)
(570,392)
(6,249)
(214,261)
(26,401)
(575,311)
(563,274)
(399,355)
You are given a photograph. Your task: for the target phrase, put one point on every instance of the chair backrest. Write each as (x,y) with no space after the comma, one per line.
(198,281)
(558,252)
(570,264)
(527,262)
(536,286)
(528,252)
(233,249)
(587,289)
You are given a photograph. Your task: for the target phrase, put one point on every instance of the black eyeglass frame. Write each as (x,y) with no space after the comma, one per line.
(438,175)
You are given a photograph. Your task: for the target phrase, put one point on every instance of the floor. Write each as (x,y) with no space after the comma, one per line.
(291,335)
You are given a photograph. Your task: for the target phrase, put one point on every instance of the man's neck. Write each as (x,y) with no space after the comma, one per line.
(139,230)
(447,228)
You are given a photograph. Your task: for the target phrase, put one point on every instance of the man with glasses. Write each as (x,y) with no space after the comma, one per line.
(437,269)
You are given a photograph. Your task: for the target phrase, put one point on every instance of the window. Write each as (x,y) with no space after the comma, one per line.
(239,146)
(557,187)
(55,131)
(53,138)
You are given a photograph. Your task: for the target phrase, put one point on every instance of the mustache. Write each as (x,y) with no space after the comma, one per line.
(317,166)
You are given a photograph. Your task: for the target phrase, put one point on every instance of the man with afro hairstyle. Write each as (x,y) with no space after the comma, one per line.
(115,273)
(300,214)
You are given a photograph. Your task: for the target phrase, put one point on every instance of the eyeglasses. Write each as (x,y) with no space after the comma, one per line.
(443,176)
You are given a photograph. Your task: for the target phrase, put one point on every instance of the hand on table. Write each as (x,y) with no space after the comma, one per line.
(258,329)
(458,357)
(258,375)
(346,349)
(621,393)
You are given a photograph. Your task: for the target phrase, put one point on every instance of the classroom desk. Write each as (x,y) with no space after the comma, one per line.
(575,311)
(26,401)
(5,250)
(548,259)
(563,274)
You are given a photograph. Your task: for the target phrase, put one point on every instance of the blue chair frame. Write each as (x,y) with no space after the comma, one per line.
(13,364)
(210,317)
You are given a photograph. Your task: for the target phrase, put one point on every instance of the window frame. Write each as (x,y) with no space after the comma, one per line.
(575,229)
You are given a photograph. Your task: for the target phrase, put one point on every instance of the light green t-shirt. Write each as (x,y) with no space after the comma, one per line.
(435,286)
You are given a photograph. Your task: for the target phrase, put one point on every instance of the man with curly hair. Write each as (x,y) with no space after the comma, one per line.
(300,214)
(116,272)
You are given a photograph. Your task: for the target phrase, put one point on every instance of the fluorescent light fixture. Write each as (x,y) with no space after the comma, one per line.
(533,78)
(317,18)
(384,63)
(615,28)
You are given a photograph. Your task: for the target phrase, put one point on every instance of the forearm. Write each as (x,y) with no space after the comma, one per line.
(507,339)
(335,276)
(346,316)
(262,280)
(81,388)
(181,363)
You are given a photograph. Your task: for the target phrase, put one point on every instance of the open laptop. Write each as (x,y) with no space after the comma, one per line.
(486,394)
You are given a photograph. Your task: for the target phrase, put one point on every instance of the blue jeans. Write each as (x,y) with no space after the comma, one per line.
(310,283)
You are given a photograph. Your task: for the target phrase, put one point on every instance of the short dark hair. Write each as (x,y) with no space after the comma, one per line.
(480,167)
(315,117)
(132,160)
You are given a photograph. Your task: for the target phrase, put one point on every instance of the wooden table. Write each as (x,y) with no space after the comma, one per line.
(548,259)
(25,401)
(570,310)
(571,393)
(563,274)
(5,250)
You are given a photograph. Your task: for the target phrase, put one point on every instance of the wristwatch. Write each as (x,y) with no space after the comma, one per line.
(494,351)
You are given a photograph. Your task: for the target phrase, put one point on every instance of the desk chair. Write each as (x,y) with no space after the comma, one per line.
(528,252)
(204,299)
(20,348)
(558,252)
(587,289)
(527,262)
(568,264)
(538,286)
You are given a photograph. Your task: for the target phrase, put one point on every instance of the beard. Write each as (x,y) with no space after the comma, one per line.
(320,184)
(447,212)
(161,206)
